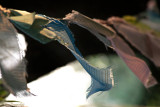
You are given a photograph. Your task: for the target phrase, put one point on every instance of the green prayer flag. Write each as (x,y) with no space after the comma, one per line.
(31,24)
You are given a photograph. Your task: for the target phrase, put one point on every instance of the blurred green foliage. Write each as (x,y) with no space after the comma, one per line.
(5,103)
(128,90)
(141,26)
(3,92)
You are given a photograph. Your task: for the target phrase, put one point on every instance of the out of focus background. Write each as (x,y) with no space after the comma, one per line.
(43,59)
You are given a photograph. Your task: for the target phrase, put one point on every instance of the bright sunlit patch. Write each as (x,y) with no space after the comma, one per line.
(13,55)
(111,76)
(64,87)
(22,43)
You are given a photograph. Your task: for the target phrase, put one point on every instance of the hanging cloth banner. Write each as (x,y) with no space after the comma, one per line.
(12,64)
(137,65)
(102,79)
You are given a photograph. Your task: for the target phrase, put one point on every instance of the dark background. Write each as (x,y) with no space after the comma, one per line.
(44,58)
